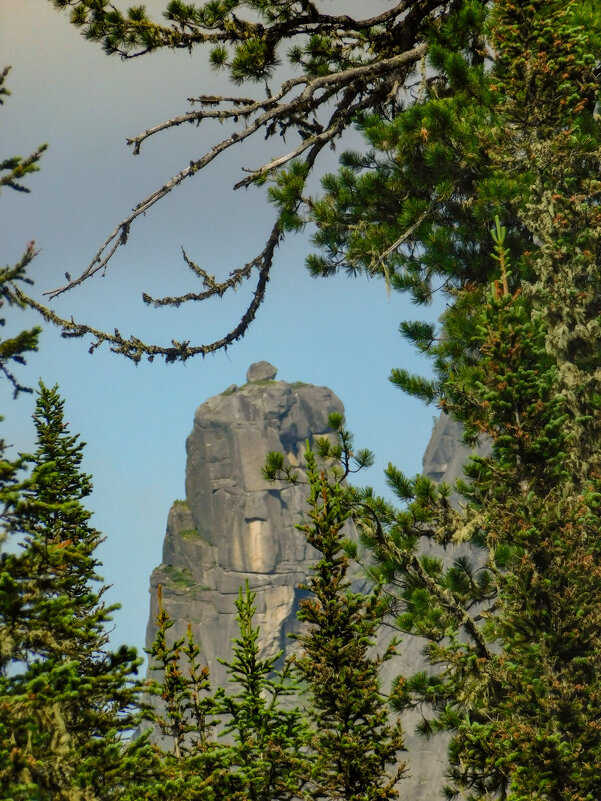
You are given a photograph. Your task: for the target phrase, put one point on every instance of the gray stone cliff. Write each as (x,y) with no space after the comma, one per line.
(233,526)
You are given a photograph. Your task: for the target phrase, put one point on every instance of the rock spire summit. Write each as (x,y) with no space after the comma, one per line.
(233,525)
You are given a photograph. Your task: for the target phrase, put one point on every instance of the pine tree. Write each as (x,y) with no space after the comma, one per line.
(355,745)
(68,701)
(513,629)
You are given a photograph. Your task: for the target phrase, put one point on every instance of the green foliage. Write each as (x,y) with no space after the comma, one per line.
(264,758)
(180,577)
(512,640)
(12,349)
(184,716)
(415,208)
(342,745)
(499,128)
(518,669)
(503,624)
(262,382)
(269,741)
(190,534)
(16,168)
(67,700)
(356,746)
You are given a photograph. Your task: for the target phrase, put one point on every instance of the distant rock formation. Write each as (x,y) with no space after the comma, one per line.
(446,452)
(233,526)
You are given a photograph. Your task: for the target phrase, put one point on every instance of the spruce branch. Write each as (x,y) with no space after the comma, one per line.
(13,349)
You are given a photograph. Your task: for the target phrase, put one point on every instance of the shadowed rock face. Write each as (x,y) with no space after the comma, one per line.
(446,452)
(234,526)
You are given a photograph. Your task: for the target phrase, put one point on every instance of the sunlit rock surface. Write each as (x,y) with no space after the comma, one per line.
(233,526)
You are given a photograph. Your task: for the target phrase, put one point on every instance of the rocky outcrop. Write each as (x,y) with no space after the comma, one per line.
(446,452)
(234,527)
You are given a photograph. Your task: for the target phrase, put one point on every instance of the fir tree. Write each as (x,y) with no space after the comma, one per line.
(193,764)
(269,740)
(236,743)
(68,701)
(242,742)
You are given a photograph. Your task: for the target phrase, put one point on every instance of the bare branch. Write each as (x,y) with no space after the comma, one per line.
(120,234)
(347,65)
(249,107)
(134,348)
(213,287)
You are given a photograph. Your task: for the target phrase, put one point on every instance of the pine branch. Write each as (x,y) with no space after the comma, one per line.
(380,260)
(413,568)
(137,35)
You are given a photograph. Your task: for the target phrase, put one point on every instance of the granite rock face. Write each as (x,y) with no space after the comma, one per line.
(446,452)
(234,527)
(261,371)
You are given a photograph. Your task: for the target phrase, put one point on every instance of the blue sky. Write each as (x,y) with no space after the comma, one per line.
(336,332)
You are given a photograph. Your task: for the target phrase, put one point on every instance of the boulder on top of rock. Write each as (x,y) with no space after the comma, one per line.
(261,371)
